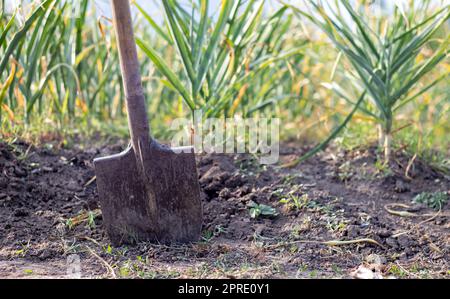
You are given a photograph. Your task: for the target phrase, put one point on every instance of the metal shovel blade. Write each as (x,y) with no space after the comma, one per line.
(159,202)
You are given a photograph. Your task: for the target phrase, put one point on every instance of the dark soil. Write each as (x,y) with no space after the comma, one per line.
(49,212)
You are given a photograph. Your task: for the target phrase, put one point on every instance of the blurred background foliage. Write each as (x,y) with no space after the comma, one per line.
(60,75)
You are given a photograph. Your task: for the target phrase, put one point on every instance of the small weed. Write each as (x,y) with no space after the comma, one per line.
(147,274)
(335,224)
(295,201)
(210,234)
(69,223)
(252,166)
(28,271)
(71,247)
(414,269)
(109,249)
(257,210)
(313,274)
(301,269)
(124,271)
(423,273)
(345,172)
(91,220)
(293,249)
(23,251)
(397,271)
(336,269)
(383,168)
(276,268)
(434,200)
(279,193)
(292,199)
(317,207)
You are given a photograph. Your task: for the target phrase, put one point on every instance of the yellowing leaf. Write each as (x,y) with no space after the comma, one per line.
(8,82)
(83,54)
(9,111)
(82,105)
(19,97)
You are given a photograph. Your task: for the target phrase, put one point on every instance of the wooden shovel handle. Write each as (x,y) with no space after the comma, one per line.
(137,111)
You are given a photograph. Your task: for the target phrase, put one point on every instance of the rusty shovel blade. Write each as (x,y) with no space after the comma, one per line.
(158,202)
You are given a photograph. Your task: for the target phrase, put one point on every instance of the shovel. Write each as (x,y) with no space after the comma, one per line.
(149,192)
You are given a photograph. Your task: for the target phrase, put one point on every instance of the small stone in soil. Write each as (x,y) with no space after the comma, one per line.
(401,187)
(406,241)
(225,193)
(353,231)
(384,233)
(392,242)
(47,169)
(20,172)
(3,183)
